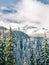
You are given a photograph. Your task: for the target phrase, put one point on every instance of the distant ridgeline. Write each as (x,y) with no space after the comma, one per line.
(17,48)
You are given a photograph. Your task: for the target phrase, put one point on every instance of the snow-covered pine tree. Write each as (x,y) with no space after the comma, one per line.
(2,49)
(3,46)
(1,52)
(10,49)
(44,57)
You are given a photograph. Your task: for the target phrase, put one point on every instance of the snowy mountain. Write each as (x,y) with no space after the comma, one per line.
(24,43)
(32,30)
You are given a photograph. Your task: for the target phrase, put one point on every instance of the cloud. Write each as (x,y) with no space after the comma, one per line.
(44,1)
(28,12)
(6,10)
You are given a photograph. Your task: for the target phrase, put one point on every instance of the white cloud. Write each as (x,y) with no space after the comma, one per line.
(29,11)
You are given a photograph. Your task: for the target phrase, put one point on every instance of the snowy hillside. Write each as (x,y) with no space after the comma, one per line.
(24,42)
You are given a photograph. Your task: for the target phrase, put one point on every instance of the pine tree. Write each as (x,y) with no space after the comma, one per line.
(44,52)
(10,49)
(25,61)
(1,52)
(32,57)
(2,48)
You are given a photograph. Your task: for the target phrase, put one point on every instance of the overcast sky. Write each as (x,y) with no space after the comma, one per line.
(19,13)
